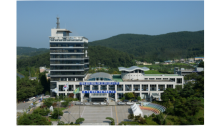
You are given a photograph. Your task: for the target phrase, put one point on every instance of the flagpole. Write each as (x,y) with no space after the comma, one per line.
(68,101)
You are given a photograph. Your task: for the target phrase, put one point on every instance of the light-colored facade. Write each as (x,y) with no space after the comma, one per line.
(68,56)
(151,86)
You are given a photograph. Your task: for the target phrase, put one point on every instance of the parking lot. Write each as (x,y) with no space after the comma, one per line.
(98,113)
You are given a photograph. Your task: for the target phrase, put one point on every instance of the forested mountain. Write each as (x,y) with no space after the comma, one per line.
(109,57)
(98,54)
(159,47)
(29,51)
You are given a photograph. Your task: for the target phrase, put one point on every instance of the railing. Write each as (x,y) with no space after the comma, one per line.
(67,38)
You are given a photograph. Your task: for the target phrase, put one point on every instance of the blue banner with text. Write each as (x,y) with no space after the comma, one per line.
(93,91)
(99,83)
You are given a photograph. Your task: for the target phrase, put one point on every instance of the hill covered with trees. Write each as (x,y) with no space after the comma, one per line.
(109,57)
(159,47)
(29,51)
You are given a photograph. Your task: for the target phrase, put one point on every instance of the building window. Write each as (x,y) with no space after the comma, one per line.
(158,78)
(95,87)
(151,78)
(71,88)
(144,87)
(172,79)
(165,78)
(136,87)
(111,87)
(61,88)
(153,87)
(87,87)
(161,87)
(119,87)
(103,87)
(146,78)
(169,85)
(179,80)
(128,87)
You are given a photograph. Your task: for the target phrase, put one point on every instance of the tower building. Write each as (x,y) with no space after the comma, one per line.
(69,59)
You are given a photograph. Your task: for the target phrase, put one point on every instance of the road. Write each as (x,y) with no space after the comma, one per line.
(24,106)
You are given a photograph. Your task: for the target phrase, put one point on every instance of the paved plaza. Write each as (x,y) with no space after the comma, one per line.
(97,114)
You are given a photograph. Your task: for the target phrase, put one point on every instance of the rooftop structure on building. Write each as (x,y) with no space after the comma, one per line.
(68,56)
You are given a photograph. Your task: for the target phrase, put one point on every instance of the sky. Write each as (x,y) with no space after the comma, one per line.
(99,20)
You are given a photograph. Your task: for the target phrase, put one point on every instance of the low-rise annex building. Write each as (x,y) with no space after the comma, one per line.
(103,86)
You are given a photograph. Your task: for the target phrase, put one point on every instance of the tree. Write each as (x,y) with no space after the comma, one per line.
(32,119)
(47,93)
(201,64)
(41,111)
(169,95)
(130,116)
(187,91)
(160,118)
(185,107)
(129,95)
(48,102)
(142,120)
(79,120)
(111,119)
(56,113)
(139,98)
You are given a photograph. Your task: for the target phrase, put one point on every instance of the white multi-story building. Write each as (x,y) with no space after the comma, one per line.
(101,86)
(69,64)
(69,59)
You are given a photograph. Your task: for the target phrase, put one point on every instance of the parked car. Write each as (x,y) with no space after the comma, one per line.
(96,103)
(129,103)
(125,100)
(87,103)
(78,103)
(103,103)
(135,100)
(121,103)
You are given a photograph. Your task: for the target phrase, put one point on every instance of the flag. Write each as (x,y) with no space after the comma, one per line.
(66,87)
(54,90)
(76,91)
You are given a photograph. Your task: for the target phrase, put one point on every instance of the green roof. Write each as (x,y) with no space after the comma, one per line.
(161,74)
(117,78)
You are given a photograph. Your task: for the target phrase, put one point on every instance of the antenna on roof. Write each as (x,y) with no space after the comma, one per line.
(58,23)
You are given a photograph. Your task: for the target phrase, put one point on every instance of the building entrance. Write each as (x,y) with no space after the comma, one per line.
(98,99)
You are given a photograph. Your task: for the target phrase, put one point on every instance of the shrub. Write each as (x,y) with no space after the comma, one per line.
(142,120)
(55,113)
(32,119)
(79,120)
(201,120)
(65,103)
(112,120)
(145,116)
(48,102)
(136,118)
(130,116)
(41,111)
(153,115)
(139,98)
(61,123)
(54,104)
